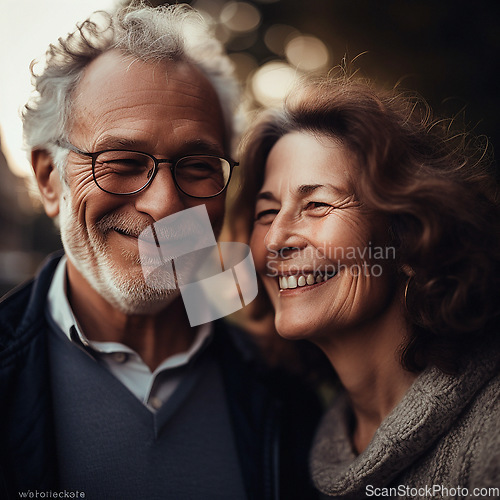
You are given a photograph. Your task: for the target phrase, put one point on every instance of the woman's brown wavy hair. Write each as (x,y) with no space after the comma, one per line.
(438,188)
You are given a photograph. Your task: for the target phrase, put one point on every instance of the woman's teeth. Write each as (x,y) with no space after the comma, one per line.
(299,280)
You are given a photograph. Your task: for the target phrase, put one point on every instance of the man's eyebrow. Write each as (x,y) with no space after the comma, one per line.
(202,146)
(112,142)
(195,146)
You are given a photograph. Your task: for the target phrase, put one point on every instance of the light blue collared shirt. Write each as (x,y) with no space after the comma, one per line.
(152,388)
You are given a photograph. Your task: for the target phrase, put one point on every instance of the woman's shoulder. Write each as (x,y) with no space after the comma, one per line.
(484,432)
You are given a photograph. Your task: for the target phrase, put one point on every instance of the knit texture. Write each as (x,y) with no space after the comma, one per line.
(445,431)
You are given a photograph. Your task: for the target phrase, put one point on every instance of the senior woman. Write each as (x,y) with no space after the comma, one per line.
(376,235)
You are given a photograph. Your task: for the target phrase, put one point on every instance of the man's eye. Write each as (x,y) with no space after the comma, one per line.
(123,163)
(125,167)
(266,216)
(126,164)
(195,165)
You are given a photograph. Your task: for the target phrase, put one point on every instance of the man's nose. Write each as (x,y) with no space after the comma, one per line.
(284,236)
(161,198)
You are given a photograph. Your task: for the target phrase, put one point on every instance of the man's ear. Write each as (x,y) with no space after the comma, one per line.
(48,180)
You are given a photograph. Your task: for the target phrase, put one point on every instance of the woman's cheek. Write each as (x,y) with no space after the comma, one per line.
(258,248)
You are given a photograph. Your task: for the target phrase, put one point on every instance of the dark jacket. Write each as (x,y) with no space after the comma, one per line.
(273,415)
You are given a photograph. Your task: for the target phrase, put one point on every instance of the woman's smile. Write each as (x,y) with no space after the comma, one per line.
(307,280)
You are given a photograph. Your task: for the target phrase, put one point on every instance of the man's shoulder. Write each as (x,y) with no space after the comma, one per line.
(23,306)
(12,311)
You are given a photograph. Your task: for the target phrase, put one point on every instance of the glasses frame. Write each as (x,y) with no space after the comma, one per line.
(157,161)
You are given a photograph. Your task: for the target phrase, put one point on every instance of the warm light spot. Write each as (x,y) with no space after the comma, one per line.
(223,33)
(271,82)
(276,37)
(307,53)
(240,16)
(26,29)
(209,9)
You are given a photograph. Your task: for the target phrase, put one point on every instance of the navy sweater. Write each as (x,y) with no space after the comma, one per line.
(273,416)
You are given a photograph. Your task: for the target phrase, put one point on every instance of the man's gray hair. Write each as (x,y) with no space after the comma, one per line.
(174,33)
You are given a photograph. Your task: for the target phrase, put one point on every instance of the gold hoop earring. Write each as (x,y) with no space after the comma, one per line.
(406,292)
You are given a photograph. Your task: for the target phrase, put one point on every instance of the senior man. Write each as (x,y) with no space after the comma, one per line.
(105,388)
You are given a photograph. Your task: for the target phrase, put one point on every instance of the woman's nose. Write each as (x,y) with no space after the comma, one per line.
(283,237)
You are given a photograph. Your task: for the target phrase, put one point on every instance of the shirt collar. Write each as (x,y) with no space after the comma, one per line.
(60,310)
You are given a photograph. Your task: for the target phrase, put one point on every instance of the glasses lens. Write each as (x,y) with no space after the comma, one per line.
(122,172)
(202,176)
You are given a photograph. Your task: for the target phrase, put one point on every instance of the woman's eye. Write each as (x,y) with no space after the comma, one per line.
(318,206)
(318,209)
(266,216)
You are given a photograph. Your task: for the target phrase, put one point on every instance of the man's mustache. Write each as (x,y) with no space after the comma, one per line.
(134,226)
(128,224)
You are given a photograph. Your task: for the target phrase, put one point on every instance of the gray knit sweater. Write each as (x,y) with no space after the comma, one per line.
(444,434)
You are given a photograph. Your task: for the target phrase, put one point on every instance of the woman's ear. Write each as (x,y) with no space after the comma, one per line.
(48,180)
(408,270)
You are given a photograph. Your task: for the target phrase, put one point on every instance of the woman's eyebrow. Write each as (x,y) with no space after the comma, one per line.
(266,195)
(302,190)
(306,189)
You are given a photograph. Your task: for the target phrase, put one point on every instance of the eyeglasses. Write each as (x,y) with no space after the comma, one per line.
(124,172)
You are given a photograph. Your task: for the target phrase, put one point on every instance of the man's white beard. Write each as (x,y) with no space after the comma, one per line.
(123,287)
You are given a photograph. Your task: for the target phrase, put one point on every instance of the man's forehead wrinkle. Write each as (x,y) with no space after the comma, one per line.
(118,101)
(159,107)
(210,144)
(117,84)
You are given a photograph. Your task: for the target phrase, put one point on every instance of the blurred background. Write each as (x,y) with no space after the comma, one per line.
(446,50)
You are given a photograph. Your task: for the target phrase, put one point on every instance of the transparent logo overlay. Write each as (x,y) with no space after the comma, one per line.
(180,252)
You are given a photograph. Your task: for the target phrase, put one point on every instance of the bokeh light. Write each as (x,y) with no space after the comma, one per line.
(26,29)
(307,53)
(209,9)
(272,82)
(277,36)
(240,17)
